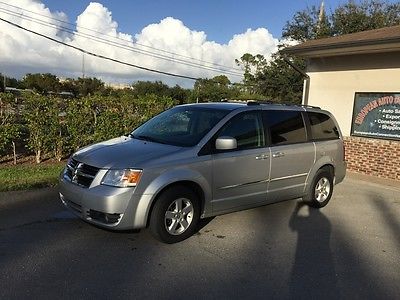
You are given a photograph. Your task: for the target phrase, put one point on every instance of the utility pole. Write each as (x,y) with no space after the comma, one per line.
(321,13)
(321,19)
(83,64)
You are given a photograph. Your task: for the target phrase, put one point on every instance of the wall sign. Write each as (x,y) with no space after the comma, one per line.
(376,115)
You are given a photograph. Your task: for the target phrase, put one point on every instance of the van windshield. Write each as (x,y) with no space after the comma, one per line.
(180,126)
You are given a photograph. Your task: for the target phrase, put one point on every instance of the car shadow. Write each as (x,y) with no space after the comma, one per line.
(313,272)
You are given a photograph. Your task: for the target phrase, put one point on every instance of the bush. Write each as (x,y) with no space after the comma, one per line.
(80,122)
(10,130)
(57,127)
(39,117)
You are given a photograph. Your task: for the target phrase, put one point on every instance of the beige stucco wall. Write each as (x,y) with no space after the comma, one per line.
(334,81)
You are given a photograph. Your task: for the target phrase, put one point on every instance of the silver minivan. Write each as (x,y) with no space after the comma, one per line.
(201,160)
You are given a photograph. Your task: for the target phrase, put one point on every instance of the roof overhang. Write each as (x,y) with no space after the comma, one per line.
(381,40)
(355,47)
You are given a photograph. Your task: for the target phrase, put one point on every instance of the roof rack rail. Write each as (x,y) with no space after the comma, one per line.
(286,104)
(258,102)
(233,101)
(308,106)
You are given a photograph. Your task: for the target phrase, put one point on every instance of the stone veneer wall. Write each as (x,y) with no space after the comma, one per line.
(374,157)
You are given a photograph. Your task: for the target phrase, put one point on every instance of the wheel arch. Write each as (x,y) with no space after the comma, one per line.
(194,186)
(325,164)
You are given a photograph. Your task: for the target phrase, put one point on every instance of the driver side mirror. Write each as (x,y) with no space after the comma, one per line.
(225,143)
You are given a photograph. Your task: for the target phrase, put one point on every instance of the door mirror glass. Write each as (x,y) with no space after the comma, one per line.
(225,143)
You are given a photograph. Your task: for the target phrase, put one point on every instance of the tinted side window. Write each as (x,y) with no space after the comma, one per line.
(322,127)
(247,129)
(286,127)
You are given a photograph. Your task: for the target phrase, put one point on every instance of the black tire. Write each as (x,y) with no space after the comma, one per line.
(319,199)
(159,220)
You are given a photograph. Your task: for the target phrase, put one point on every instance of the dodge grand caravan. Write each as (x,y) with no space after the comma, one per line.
(201,160)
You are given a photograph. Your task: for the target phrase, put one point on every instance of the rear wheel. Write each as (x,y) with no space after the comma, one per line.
(175,215)
(321,190)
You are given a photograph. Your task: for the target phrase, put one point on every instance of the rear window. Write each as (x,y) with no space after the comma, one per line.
(322,127)
(286,127)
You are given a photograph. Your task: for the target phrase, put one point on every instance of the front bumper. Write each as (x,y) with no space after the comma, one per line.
(109,207)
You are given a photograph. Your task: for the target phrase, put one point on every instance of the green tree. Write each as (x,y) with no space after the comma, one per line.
(41,83)
(306,25)
(9,82)
(347,18)
(83,87)
(274,80)
(252,66)
(279,81)
(179,94)
(214,89)
(142,88)
(222,80)
(369,14)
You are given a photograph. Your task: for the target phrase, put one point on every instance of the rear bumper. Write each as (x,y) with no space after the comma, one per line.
(105,206)
(340,172)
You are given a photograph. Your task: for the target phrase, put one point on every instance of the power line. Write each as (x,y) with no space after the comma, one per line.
(98,55)
(117,45)
(118,38)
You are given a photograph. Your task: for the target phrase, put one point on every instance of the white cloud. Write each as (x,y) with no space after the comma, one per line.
(24,51)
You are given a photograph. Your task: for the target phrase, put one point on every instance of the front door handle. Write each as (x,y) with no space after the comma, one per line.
(262,156)
(278,154)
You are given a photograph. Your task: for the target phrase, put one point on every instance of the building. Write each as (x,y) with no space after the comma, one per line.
(118,86)
(357,77)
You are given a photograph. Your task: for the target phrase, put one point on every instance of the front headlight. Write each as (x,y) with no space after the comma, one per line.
(122,178)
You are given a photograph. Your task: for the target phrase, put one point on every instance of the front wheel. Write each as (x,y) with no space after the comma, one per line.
(175,215)
(321,189)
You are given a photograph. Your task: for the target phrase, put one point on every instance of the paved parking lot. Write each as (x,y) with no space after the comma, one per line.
(349,249)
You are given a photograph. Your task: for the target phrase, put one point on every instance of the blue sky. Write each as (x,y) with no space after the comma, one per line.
(219,19)
(197,39)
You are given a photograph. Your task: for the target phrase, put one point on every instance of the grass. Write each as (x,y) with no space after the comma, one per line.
(24,177)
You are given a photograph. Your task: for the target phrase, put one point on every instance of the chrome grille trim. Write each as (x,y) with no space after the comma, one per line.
(79,173)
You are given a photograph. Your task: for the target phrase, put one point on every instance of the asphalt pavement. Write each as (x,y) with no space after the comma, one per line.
(347,250)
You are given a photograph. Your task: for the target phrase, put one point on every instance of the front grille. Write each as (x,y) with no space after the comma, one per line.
(80,173)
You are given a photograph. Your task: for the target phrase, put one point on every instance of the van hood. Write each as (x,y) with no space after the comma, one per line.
(122,152)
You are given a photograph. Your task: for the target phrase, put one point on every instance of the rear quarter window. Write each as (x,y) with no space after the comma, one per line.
(322,127)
